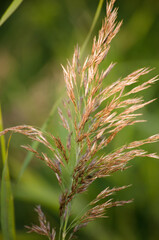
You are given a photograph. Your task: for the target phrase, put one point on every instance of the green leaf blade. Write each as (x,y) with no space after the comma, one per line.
(13,6)
(7,206)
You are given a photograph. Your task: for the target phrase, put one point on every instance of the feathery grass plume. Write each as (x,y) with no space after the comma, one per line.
(44,228)
(93,116)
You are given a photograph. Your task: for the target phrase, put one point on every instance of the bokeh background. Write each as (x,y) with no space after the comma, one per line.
(36,39)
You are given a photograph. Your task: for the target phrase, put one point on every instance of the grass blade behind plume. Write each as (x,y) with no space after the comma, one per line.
(7,206)
(12,7)
(92,26)
(36,144)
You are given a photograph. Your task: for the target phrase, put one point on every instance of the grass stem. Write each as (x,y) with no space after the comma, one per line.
(96,16)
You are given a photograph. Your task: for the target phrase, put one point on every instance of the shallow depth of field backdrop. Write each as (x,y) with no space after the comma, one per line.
(35,40)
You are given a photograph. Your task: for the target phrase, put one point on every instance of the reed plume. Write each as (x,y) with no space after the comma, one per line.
(92,115)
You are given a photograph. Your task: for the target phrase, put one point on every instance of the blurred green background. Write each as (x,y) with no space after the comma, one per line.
(35,40)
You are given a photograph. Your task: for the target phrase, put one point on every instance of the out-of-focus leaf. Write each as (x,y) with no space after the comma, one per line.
(34,188)
(36,144)
(7,206)
(13,6)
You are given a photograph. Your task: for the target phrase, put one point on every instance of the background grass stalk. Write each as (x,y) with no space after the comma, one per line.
(3,148)
(96,16)
(7,205)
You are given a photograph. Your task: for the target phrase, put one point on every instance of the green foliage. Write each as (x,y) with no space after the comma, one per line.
(10,10)
(7,205)
(3,148)
(36,144)
(92,26)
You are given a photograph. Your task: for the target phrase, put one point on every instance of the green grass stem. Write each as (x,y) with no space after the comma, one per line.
(96,16)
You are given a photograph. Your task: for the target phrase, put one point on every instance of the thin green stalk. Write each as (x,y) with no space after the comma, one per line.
(76,219)
(3,148)
(92,26)
(64,230)
(61,226)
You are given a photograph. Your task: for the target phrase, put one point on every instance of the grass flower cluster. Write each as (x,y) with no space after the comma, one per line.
(92,115)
